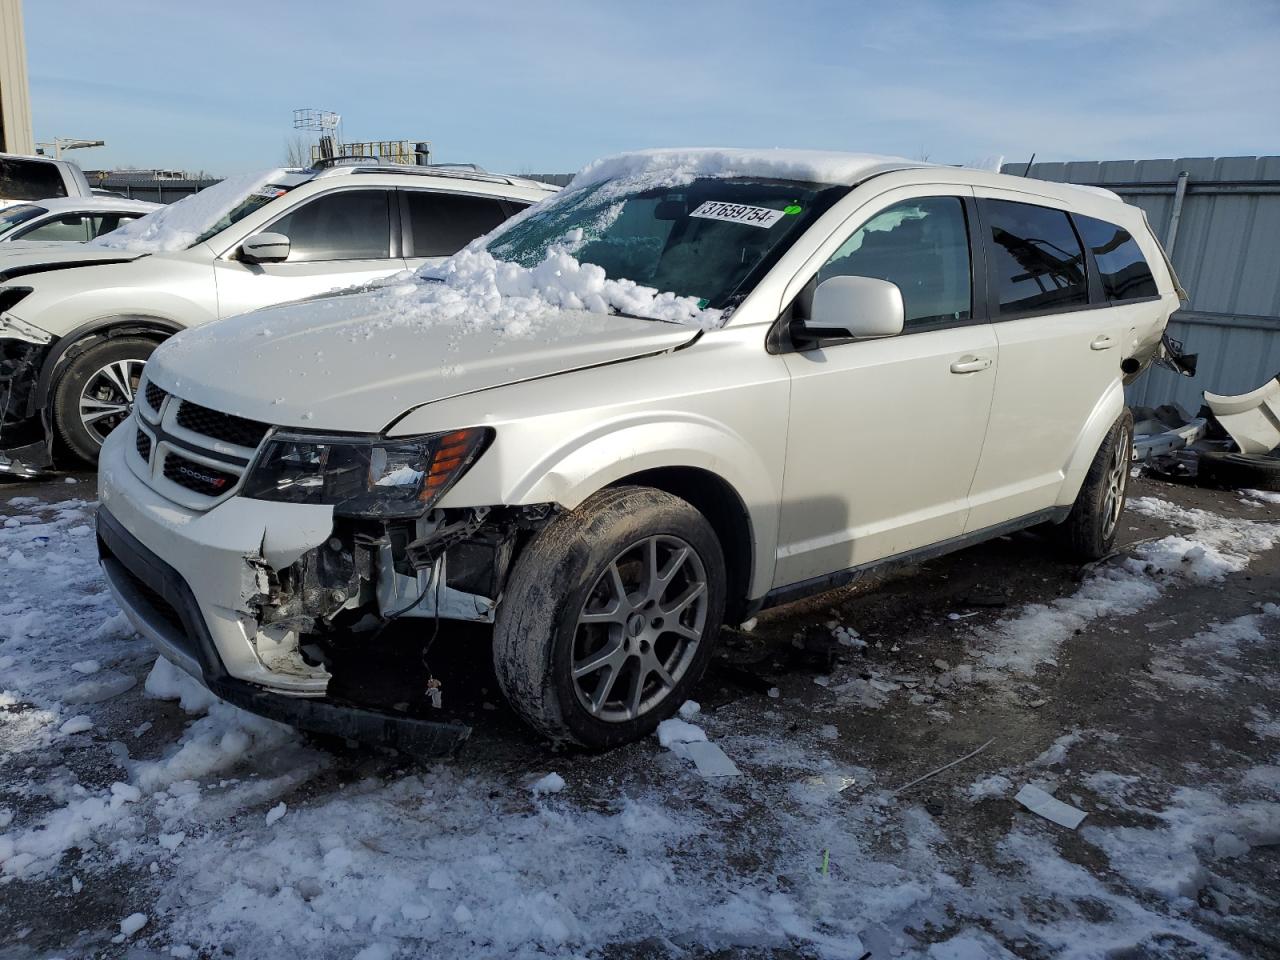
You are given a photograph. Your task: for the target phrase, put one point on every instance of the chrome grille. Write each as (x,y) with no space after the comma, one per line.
(226,427)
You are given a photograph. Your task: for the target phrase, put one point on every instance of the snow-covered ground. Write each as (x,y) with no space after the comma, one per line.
(138,811)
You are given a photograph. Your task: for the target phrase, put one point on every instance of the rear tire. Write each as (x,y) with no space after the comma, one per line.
(1089,532)
(95,392)
(1248,471)
(609,617)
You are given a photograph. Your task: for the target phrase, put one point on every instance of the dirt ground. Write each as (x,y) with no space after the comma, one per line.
(1168,739)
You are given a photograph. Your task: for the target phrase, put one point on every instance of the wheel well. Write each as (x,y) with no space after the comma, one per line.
(718,501)
(82,338)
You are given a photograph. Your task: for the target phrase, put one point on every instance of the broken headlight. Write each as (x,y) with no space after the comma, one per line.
(373,477)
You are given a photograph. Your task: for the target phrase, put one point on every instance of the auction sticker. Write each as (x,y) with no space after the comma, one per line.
(738,213)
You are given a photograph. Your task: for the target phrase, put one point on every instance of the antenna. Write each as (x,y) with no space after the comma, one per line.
(324,122)
(1027,171)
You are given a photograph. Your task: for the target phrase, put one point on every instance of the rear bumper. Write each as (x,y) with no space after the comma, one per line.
(161,604)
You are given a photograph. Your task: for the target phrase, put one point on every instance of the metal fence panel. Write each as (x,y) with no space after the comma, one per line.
(1227,254)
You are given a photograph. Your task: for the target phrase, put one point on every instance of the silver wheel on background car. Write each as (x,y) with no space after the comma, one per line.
(1116,479)
(639,628)
(107,396)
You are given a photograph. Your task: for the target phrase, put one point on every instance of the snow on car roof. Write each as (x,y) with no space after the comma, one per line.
(684,163)
(177,226)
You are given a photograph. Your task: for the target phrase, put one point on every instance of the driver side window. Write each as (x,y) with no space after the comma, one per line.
(921,245)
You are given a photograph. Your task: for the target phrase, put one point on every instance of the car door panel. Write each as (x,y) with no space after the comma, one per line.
(1055,367)
(885,435)
(332,236)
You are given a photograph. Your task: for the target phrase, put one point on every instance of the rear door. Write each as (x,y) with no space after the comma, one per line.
(439,224)
(338,239)
(884,435)
(1060,351)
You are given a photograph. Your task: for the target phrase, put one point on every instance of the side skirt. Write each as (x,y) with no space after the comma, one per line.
(841,578)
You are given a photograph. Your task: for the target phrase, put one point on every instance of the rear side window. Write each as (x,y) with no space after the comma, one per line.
(69,228)
(444,223)
(1121,266)
(923,247)
(346,225)
(29,180)
(1037,263)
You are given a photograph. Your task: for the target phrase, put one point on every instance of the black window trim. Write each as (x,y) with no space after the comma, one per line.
(508,205)
(394,242)
(779,336)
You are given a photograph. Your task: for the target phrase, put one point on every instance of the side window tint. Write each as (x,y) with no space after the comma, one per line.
(63,229)
(922,246)
(1037,261)
(444,223)
(1121,265)
(29,180)
(346,225)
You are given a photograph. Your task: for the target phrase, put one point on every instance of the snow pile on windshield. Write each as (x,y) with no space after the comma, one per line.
(668,167)
(177,226)
(486,293)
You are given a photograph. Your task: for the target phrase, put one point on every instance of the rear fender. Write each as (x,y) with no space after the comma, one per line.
(1105,413)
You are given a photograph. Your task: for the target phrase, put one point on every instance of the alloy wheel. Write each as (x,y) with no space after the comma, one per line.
(639,628)
(107,397)
(1116,480)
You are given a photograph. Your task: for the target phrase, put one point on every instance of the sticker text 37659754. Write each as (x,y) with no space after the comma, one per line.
(738,213)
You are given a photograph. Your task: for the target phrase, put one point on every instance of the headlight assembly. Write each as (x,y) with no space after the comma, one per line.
(373,477)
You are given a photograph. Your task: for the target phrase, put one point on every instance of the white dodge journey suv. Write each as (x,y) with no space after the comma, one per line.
(693,384)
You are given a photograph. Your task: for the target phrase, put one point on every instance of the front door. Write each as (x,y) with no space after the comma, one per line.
(336,240)
(885,435)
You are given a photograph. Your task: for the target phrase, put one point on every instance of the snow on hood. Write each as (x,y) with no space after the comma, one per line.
(358,361)
(176,226)
(671,166)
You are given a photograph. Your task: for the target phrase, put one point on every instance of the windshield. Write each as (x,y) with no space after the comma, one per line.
(259,198)
(11,217)
(710,238)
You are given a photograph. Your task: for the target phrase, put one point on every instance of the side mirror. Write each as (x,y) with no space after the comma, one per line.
(265,248)
(858,307)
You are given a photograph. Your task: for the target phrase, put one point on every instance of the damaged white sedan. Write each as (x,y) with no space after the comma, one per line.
(694,384)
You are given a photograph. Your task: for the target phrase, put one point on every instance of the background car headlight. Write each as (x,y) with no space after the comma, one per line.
(372,477)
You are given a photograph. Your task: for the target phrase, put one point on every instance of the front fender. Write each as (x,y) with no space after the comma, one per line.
(1105,413)
(571,468)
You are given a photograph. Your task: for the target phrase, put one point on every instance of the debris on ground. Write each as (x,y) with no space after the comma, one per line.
(1046,805)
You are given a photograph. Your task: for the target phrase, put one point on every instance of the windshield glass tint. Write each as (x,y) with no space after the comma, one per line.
(259,198)
(11,217)
(704,239)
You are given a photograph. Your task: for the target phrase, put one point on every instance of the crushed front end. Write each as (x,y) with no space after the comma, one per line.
(262,561)
(25,449)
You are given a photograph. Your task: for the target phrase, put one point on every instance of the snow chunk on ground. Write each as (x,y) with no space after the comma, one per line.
(167,682)
(277,813)
(551,783)
(86,666)
(78,724)
(676,730)
(176,226)
(133,923)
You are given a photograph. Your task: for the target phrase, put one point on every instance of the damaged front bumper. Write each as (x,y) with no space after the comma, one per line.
(262,601)
(25,448)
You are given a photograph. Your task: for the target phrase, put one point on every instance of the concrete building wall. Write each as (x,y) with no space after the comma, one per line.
(15,97)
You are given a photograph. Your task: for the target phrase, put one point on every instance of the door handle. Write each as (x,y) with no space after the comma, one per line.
(1102,342)
(970,364)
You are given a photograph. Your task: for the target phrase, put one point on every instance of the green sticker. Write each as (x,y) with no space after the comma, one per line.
(792,208)
(702,304)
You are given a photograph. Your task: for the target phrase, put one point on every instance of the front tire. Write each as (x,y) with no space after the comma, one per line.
(610,616)
(95,392)
(1089,532)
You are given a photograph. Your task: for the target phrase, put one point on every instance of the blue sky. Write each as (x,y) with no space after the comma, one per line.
(527,87)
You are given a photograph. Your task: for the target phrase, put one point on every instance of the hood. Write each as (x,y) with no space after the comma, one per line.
(338,363)
(18,259)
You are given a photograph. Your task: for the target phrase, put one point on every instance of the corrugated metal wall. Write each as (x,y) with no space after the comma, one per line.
(1226,250)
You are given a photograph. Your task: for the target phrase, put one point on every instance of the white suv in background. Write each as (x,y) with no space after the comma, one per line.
(69,219)
(25,178)
(77,324)
(692,385)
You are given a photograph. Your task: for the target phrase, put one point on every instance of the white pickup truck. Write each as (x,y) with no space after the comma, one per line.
(39,178)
